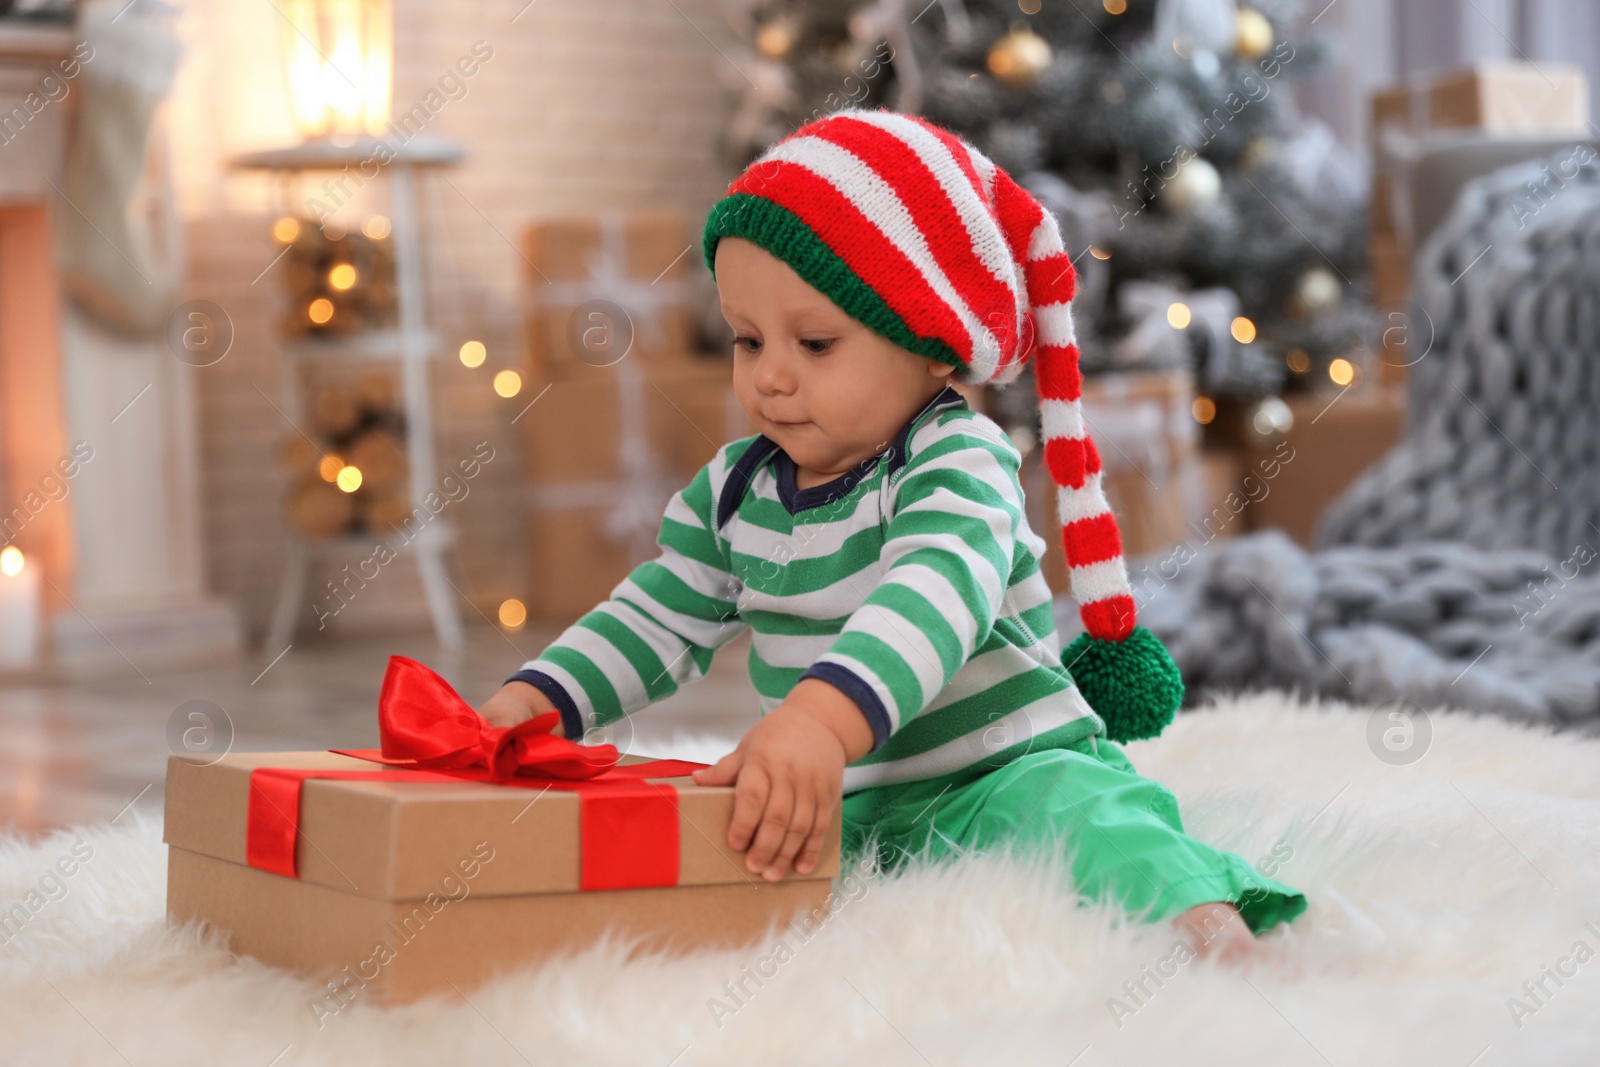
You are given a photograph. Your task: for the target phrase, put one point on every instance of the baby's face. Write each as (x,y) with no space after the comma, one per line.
(827,389)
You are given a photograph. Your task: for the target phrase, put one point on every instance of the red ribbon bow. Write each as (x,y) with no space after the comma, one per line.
(628,827)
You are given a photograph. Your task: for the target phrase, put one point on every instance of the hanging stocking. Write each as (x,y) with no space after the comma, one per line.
(109,261)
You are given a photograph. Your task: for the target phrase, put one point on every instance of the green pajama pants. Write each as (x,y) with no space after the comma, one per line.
(1122,831)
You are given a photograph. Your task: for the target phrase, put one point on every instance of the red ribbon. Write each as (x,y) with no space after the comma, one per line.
(628,827)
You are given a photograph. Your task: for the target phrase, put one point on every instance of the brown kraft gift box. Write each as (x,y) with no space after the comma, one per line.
(1152,489)
(1504,99)
(1495,97)
(657,256)
(412,888)
(1332,441)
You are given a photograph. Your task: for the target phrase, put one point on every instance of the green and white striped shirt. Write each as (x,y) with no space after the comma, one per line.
(911,582)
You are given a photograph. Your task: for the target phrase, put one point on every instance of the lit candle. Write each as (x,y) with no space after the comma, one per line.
(19,610)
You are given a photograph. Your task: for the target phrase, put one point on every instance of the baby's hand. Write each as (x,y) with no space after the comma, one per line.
(787,775)
(517,702)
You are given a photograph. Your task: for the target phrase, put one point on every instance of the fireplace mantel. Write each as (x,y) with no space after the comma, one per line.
(117,542)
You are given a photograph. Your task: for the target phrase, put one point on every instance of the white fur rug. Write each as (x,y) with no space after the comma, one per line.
(1437,890)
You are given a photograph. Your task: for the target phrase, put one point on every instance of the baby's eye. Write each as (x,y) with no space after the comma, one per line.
(816,346)
(754,344)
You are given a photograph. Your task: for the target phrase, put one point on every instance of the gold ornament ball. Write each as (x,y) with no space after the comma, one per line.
(1317,291)
(1197,183)
(1254,34)
(1019,57)
(1256,151)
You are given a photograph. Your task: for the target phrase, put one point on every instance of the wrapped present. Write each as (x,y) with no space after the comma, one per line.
(1328,446)
(458,849)
(632,411)
(602,289)
(1143,428)
(1501,99)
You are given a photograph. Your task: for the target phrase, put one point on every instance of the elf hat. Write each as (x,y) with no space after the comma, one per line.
(919,236)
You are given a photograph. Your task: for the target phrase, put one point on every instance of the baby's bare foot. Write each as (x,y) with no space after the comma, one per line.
(1217,929)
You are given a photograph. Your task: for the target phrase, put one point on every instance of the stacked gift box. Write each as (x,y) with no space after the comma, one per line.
(1498,99)
(1144,430)
(632,409)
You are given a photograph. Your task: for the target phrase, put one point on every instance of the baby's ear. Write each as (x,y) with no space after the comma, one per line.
(940,369)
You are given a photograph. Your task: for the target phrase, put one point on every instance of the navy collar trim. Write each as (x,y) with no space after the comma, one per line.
(796,500)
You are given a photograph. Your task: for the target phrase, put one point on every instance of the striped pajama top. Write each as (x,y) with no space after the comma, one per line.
(911,583)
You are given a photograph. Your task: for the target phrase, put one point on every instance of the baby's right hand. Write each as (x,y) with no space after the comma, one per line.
(518,702)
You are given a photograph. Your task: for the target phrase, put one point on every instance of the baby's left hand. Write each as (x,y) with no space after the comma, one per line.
(787,775)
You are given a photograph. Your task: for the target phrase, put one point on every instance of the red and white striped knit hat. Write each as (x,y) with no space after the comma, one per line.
(919,236)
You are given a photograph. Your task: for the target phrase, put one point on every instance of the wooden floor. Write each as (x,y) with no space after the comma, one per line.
(86,751)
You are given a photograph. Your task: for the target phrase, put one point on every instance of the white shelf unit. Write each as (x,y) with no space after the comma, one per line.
(411,345)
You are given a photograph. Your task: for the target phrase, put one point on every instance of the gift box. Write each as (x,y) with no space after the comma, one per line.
(600,289)
(1144,431)
(602,458)
(1389,259)
(1332,441)
(1503,99)
(393,880)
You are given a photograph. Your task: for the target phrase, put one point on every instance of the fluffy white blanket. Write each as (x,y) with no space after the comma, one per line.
(1454,920)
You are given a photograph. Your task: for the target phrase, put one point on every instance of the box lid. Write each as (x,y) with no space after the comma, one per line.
(403,840)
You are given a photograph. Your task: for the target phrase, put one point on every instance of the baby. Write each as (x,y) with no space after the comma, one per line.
(872,539)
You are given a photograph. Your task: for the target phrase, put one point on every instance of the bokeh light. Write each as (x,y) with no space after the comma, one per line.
(513,614)
(349,479)
(508,383)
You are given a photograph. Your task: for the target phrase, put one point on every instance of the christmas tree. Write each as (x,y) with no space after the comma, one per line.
(1211,224)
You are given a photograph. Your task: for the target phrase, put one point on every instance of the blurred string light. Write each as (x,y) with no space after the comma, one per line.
(286,229)
(473,353)
(1244,331)
(349,479)
(329,467)
(11,561)
(1298,361)
(1342,371)
(1178,316)
(342,276)
(1204,409)
(508,383)
(776,38)
(1099,253)
(1272,418)
(513,614)
(320,311)
(1114,7)
(375,227)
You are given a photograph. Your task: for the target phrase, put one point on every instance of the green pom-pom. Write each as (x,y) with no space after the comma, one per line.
(1132,684)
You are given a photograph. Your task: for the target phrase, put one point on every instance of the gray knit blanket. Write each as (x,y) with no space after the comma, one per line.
(1433,623)
(1502,445)
(1460,570)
